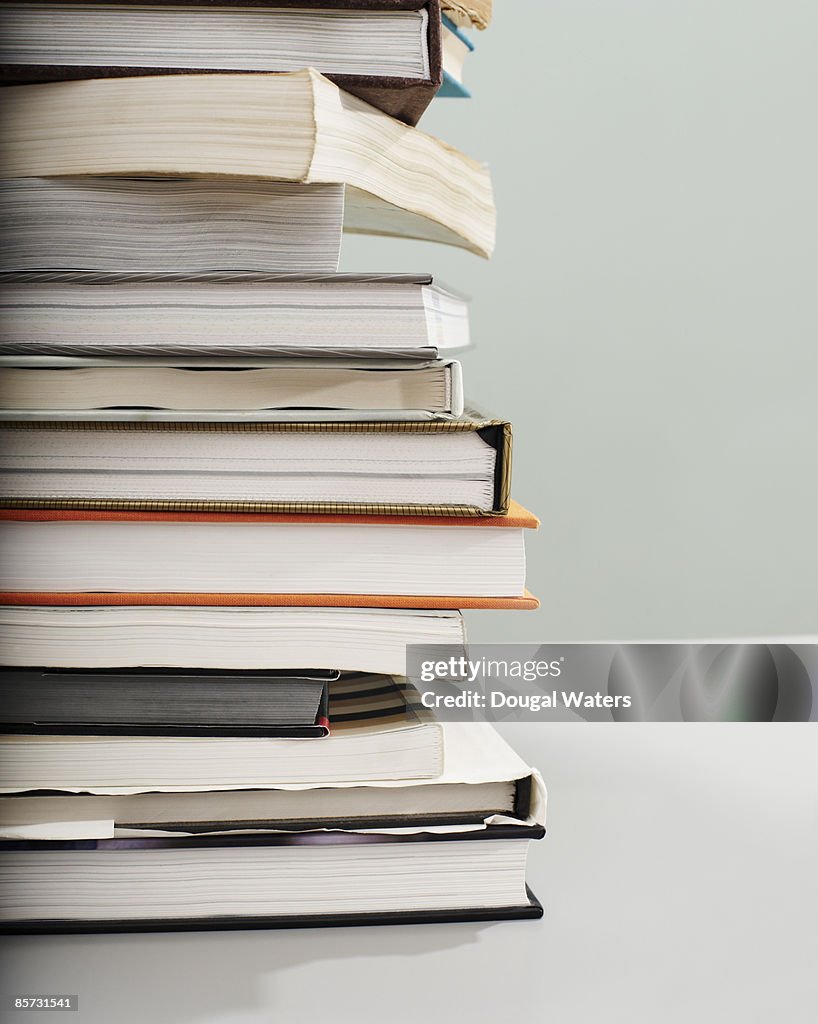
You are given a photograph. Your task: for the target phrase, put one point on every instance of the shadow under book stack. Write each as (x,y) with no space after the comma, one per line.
(236,484)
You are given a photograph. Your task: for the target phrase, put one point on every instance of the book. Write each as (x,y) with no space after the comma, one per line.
(163,224)
(117,388)
(483,782)
(191,599)
(380,730)
(267,881)
(453,89)
(294,127)
(346,316)
(386,52)
(457,466)
(469,13)
(456,48)
(235,634)
(264,554)
(194,702)
(436,841)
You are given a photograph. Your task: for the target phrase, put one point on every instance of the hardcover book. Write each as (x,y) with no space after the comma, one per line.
(447,467)
(286,880)
(52,318)
(56,551)
(456,48)
(386,52)
(138,702)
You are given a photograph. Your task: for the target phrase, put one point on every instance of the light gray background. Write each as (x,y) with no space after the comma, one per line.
(650,319)
(649,323)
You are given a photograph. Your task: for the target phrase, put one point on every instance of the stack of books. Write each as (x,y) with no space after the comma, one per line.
(236,484)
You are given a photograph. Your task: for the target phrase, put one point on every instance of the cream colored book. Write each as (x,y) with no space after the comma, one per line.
(468,13)
(296,127)
(117,389)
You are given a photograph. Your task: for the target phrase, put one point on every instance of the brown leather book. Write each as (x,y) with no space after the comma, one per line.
(402,97)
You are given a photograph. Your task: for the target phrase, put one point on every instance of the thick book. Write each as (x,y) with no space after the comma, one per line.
(447,467)
(484,782)
(119,388)
(380,730)
(386,52)
(159,225)
(215,631)
(53,318)
(268,881)
(106,552)
(295,127)
(139,702)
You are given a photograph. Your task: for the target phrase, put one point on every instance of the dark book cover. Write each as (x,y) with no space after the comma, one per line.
(532,909)
(156,702)
(403,98)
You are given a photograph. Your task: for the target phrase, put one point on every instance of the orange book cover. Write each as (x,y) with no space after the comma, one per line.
(517,518)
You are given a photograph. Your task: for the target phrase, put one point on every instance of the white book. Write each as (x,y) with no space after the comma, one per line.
(483,782)
(122,388)
(294,127)
(267,881)
(226,637)
(447,467)
(53,318)
(383,43)
(155,224)
(194,556)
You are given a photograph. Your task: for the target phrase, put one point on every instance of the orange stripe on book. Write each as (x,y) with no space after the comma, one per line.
(527,602)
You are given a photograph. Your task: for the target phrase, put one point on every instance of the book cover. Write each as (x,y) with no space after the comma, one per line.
(403,98)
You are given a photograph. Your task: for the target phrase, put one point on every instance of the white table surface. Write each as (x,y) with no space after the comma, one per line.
(679,877)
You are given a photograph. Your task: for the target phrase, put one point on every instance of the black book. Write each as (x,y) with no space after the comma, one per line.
(266,881)
(193,702)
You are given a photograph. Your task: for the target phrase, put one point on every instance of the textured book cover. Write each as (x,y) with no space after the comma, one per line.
(401,97)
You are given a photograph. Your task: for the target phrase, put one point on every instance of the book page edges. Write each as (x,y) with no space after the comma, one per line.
(525,602)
